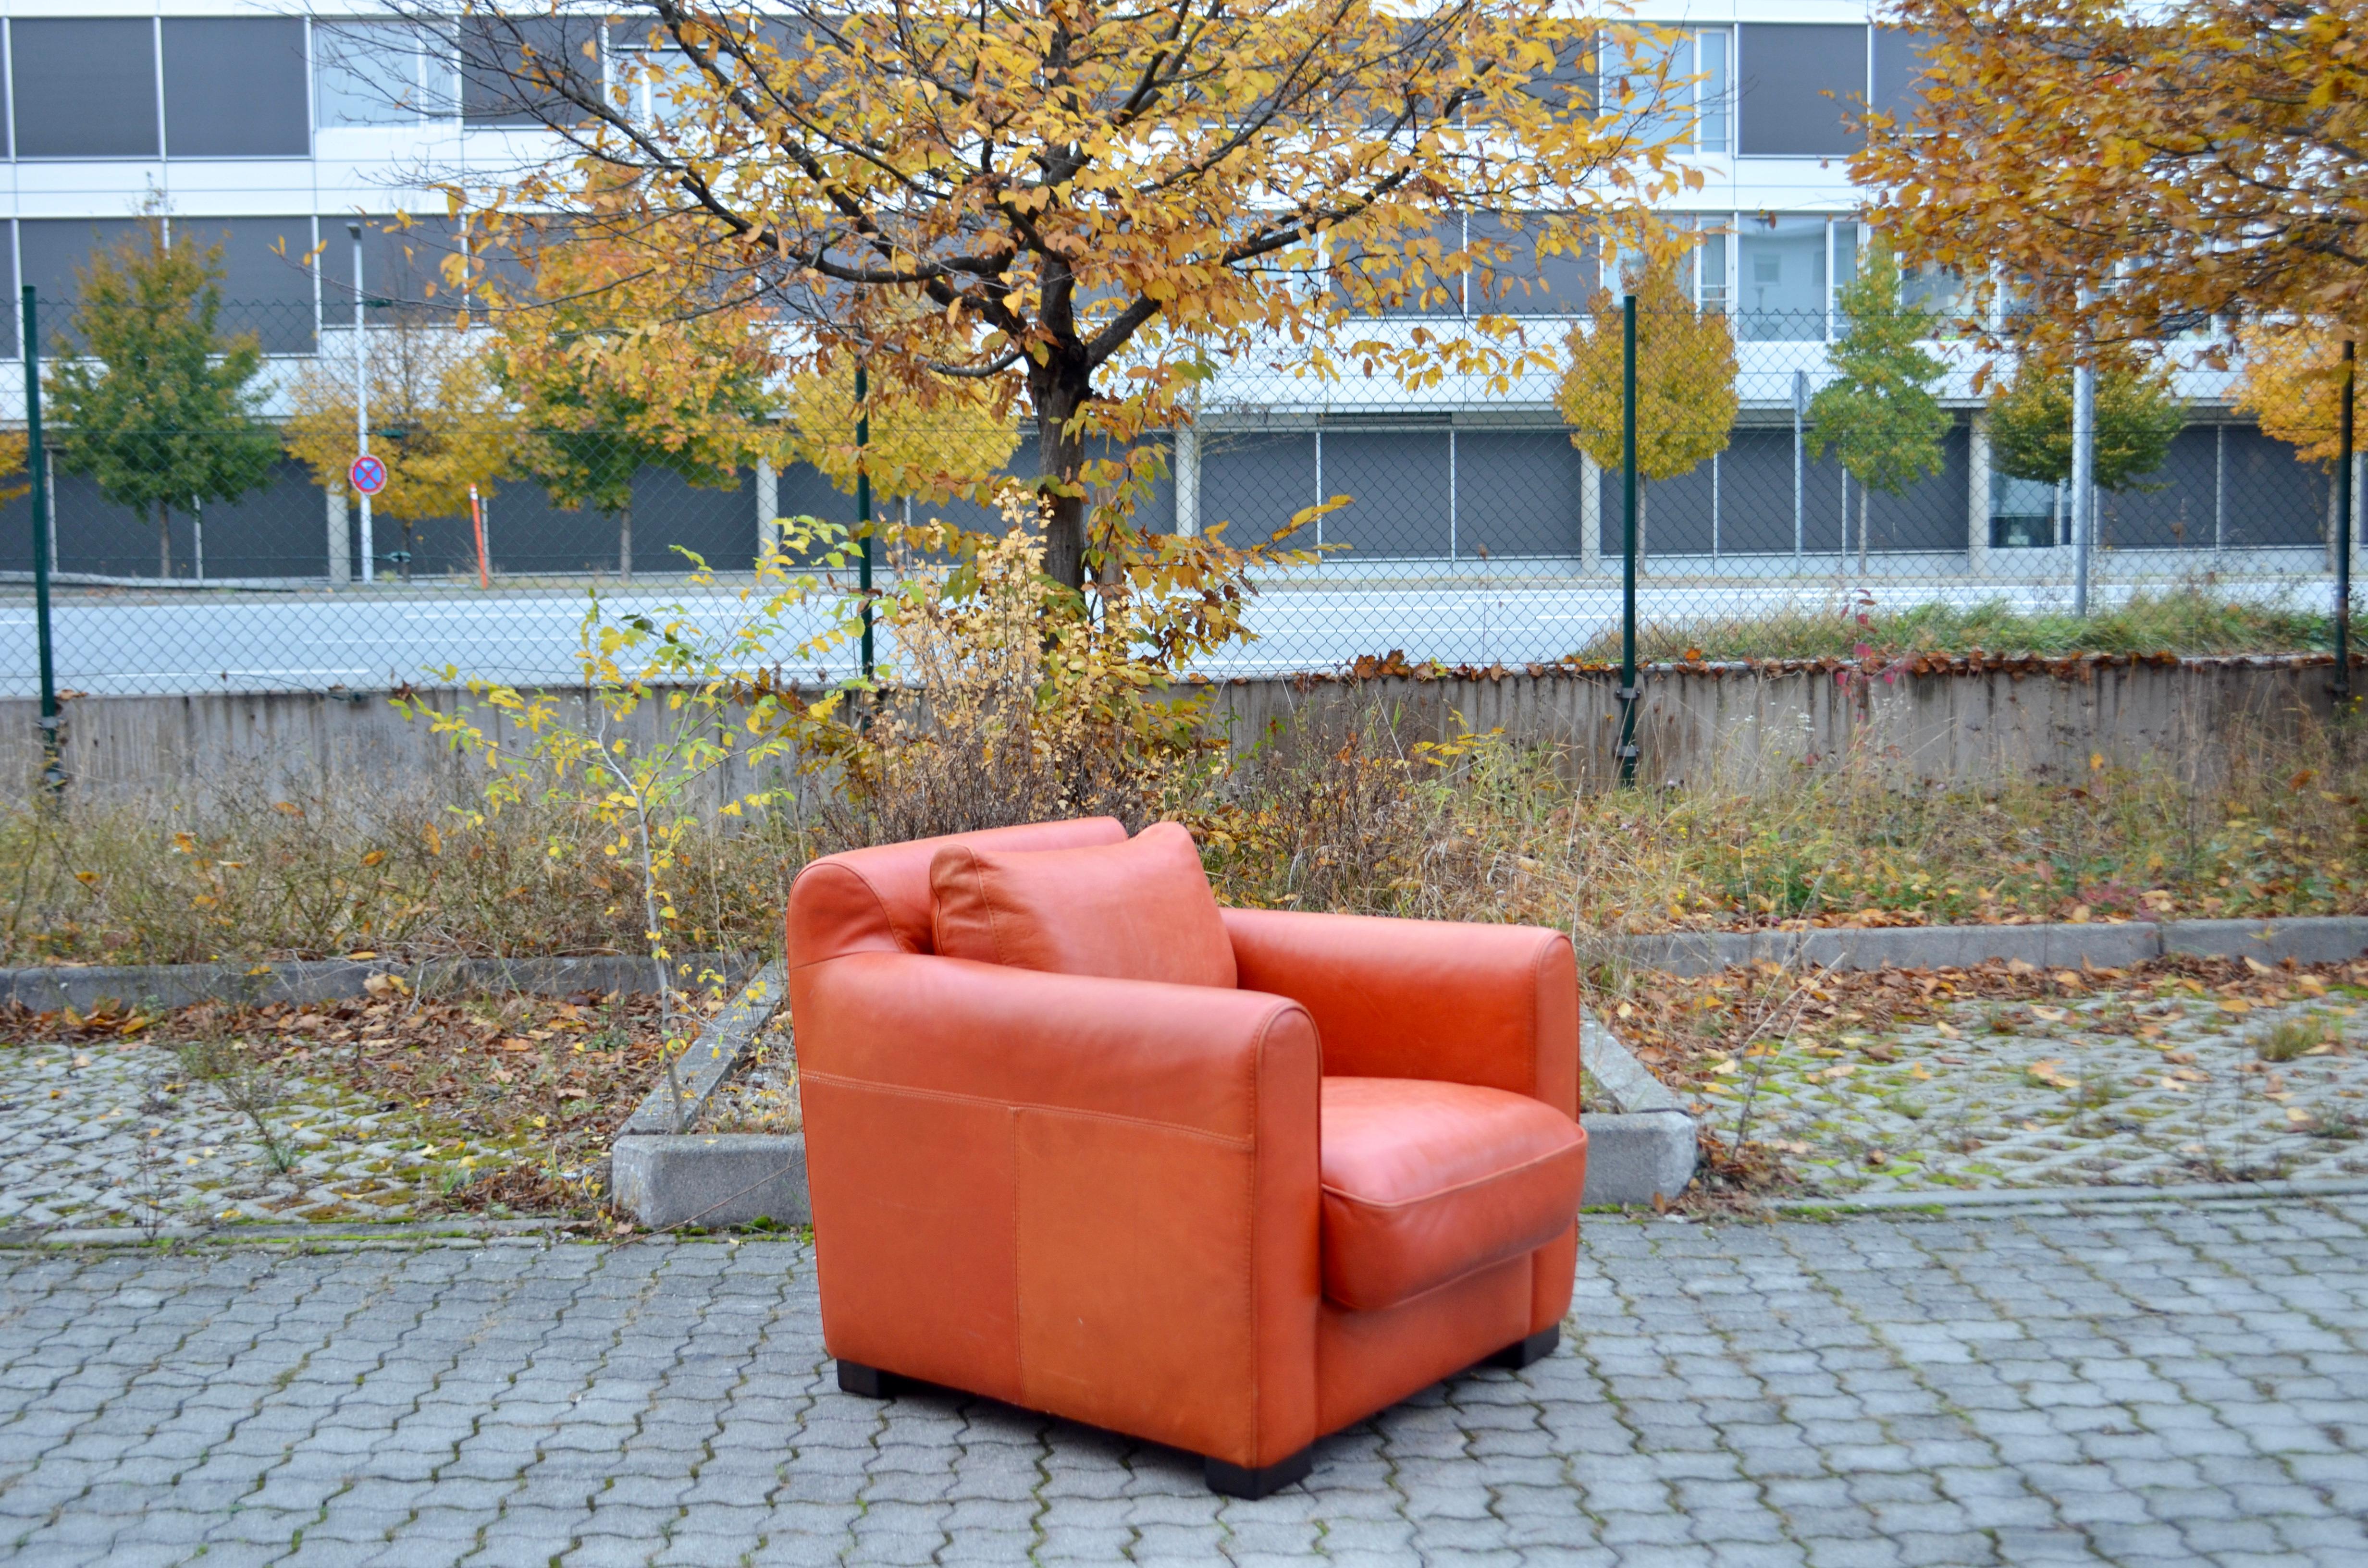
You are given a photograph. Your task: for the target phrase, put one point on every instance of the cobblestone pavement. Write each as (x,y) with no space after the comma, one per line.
(2154,1384)
(92,1135)
(2036,1095)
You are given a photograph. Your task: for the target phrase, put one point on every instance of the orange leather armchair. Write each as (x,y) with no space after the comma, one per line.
(1227,1220)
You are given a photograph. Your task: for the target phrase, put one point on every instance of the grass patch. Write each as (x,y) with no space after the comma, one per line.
(2291,1038)
(2188,620)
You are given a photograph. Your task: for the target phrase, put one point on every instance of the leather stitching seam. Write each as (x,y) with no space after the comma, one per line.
(836,1080)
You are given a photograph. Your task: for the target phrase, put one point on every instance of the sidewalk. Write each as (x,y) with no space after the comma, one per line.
(2144,1385)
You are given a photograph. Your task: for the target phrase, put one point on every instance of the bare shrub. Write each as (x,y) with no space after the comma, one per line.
(1011,702)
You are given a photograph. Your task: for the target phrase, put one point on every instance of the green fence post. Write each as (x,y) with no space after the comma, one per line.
(2344,535)
(53,773)
(863,503)
(1628,692)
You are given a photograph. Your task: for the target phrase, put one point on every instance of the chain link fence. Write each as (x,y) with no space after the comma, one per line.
(1480,524)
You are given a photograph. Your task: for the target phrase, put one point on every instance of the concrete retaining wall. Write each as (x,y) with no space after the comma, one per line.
(1947,721)
(1943,721)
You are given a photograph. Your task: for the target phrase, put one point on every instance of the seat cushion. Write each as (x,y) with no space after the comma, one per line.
(1425,1182)
(1137,910)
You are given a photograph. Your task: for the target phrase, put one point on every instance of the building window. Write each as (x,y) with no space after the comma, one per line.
(1687,70)
(1535,267)
(1797,84)
(381,74)
(85,88)
(1781,283)
(235,87)
(651,70)
(1899,67)
(508,67)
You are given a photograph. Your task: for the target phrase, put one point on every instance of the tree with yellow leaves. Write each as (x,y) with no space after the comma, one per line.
(13,446)
(2292,381)
(607,380)
(950,439)
(2137,168)
(440,423)
(1686,400)
(1075,206)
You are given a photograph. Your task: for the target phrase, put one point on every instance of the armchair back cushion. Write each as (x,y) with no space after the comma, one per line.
(877,900)
(1136,909)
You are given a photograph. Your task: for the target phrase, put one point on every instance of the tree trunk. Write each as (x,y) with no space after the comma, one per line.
(1058,392)
(1862,530)
(1643,493)
(163,540)
(625,542)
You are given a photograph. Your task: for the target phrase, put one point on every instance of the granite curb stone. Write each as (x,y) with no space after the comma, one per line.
(50,987)
(2318,939)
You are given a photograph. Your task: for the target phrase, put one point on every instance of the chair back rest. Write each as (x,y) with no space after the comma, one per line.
(877,900)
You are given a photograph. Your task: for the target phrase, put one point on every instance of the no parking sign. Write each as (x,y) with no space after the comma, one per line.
(368,474)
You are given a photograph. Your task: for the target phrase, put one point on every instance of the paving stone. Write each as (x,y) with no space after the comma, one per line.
(1971,1389)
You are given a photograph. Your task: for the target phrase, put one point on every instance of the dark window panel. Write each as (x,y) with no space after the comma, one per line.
(1570,85)
(1900,55)
(1930,515)
(2272,499)
(9,334)
(266,282)
(718,525)
(403,266)
(53,250)
(1422,281)
(1528,282)
(504,68)
(1517,493)
(84,87)
(235,87)
(1400,497)
(1796,82)
(1254,481)
(8,140)
(1677,512)
(275,531)
(2175,510)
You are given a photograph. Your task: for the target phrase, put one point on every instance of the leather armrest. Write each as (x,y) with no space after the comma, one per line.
(1089,1195)
(1188,1056)
(1496,1005)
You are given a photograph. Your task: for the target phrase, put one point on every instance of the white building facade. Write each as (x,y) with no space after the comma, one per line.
(250,127)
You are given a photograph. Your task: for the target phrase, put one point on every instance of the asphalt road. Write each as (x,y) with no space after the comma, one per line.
(133,642)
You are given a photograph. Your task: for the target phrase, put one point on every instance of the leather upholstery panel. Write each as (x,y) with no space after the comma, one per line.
(877,900)
(1495,1005)
(1112,1328)
(1368,1361)
(916,1273)
(1141,910)
(1426,1181)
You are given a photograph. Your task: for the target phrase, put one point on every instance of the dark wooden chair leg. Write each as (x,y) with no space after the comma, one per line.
(854,1377)
(1233,1480)
(1523,1352)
